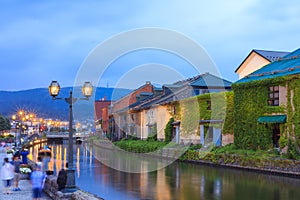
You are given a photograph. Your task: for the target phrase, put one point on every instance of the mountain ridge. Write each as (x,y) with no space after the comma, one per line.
(39,101)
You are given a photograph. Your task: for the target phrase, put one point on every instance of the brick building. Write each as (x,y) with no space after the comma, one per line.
(101,114)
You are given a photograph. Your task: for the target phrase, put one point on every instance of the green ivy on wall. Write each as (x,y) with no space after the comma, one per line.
(169,130)
(293,114)
(195,108)
(250,102)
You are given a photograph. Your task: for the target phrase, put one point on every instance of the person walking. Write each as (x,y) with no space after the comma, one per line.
(37,179)
(16,163)
(7,175)
(39,163)
(17,153)
(10,155)
(24,154)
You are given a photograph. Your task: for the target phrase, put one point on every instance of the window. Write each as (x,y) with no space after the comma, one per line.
(273,99)
(205,91)
(174,110)
(196,92)
(131,130)
(132,117)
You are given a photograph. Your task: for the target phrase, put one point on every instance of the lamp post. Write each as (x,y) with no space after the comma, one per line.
(15,124)
(87,90)
(21,114)
(18,126)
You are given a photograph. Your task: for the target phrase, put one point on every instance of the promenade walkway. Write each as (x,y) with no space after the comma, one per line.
(24,185)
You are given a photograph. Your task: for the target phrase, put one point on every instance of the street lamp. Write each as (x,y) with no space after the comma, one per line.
(18,125)
(87,90)
(14,117)
(20,113)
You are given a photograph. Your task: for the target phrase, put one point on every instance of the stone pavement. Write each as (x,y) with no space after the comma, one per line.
(24,185)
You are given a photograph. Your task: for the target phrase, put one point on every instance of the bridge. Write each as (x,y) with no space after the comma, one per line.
(64,136)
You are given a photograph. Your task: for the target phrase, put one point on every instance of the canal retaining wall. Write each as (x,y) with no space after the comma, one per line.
(51,189)
(289,171)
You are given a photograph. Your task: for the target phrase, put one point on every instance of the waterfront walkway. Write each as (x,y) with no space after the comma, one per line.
(24,185)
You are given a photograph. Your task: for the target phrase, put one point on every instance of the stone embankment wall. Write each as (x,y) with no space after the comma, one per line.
(51,189)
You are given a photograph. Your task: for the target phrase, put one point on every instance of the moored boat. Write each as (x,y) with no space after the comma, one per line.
(45,153)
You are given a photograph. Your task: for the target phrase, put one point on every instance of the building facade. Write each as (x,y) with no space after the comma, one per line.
(156,111)
(122,122)
(267,105)
(256,59)
(100,115)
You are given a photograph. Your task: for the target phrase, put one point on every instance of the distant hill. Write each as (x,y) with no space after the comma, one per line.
(40,102)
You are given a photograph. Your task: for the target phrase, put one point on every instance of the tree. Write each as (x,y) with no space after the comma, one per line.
(4,124)
(8,124)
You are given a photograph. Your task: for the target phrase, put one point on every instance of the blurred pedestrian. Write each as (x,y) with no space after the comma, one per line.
(16,162)
(10,155)
(17,153)
(39,162)
(7,175)
(37,180)
(24,154)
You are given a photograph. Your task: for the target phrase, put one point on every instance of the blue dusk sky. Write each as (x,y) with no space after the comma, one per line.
(41,41)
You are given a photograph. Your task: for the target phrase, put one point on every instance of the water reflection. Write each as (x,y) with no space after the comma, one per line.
(129,162)
(177,181)
(59,156)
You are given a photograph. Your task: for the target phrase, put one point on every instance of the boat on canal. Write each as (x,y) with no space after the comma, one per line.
(45,153)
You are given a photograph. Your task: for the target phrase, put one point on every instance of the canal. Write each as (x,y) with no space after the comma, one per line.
(176,181)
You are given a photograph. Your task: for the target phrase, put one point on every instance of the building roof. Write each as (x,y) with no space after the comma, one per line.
(271,56)
(132,92)
(176,91)
(287,65)
(145,93)
(202,80)
(209,80)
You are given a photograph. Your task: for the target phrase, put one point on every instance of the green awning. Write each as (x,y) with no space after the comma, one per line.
(272,119)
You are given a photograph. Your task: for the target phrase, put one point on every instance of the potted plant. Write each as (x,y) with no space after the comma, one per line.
(10,151)
(25,171)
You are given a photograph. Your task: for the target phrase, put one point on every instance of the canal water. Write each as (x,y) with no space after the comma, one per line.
(183,181)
